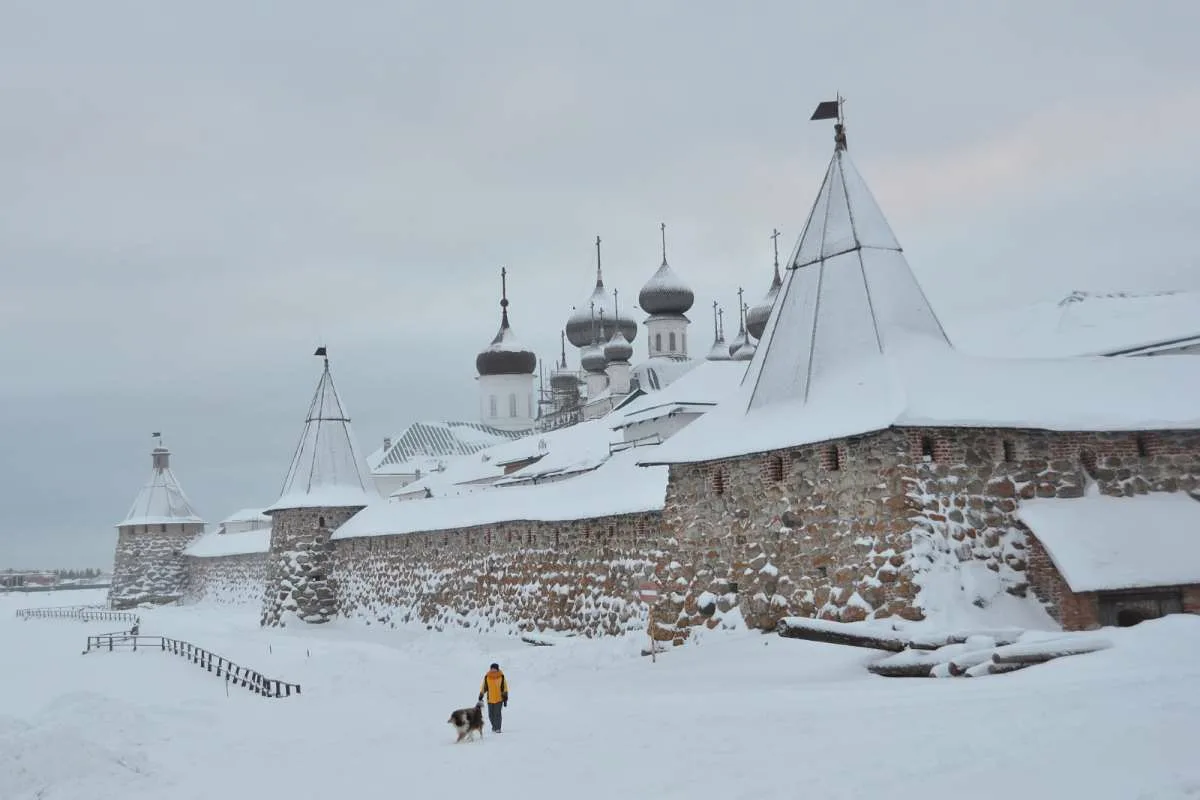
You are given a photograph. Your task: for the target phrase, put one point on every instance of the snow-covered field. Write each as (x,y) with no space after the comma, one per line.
(738,715)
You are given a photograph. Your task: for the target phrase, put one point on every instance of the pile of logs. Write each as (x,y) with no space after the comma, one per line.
(954,655)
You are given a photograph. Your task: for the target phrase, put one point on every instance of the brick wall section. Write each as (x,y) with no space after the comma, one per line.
(298,578)
(519,576)
(149,564)
(847,529)
(226,580)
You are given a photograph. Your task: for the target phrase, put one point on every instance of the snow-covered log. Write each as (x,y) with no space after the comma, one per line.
(992,668)
(913,663)
(1048,650)
(537,640)
(961,664)
(821,630)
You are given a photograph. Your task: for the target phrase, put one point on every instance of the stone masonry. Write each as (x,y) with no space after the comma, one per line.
(298,579)
(226,580)
(519,576)
(847,529)
(149,565)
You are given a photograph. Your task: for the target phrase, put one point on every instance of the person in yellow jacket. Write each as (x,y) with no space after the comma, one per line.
(495,686)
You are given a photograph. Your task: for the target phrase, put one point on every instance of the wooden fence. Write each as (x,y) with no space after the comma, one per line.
(83,613)
(221,666)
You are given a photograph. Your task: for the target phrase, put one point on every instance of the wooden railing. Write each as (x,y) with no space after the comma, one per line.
(221,666)
(84,613)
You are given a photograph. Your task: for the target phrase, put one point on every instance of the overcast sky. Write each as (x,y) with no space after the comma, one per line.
(193,196)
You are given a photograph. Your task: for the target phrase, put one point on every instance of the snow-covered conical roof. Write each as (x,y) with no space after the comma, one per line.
(161,500)
(326,470)
(579,326)
(665,293)
(505,355)
(848,295)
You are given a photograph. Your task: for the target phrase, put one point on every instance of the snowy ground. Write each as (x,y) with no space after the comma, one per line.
(737,716)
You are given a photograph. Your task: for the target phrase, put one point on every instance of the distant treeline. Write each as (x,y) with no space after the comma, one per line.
(61,574)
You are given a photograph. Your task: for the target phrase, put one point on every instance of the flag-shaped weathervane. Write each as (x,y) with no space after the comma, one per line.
(156,435)
(321,351)
(832,109)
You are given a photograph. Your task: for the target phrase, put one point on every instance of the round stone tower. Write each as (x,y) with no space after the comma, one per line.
(326,485)
(149,565)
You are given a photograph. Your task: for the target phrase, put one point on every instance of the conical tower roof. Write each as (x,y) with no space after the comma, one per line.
(848,296)
(326,470)
(161,500)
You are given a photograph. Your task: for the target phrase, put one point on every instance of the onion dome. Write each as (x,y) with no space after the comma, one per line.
(618,349)
(665,293)
(720,350)
(579,324)
(562,378)
(756,318)
(592,359)
(505,356)
(745,352)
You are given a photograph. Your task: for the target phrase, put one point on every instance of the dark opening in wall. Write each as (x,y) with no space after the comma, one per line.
(320,522)
(1009,450)
(487,538)
(823,572)
(556,538)
(1087,460)
(775,469)
(1143,446)
(718,482)
(927,448)
(316,576)
(529,538)
(733,587)
(833,459)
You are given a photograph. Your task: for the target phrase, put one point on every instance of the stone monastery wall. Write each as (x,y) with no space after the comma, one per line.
(849,529)
(569,576)
(226,580)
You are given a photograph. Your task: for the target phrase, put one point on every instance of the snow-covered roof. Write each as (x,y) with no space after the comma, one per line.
(1103,543)
(660,372)
(699,389)
(247,515)
(1082,323)
(576,447)
(854,347)
(505,355)
(161,500)
(421,441)
(215,545)
(326,470)
(618,486)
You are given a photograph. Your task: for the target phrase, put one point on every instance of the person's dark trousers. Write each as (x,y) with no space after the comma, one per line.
(494,715)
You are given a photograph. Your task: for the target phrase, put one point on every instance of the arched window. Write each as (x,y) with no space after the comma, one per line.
(512,405)
(683,346)
(491,405)
(658,342)
(671,341)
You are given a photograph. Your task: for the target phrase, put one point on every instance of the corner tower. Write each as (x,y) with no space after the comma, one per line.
(149,565)
(326,485)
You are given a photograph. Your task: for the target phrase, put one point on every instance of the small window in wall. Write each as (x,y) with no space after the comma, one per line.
(320,522)
(833,458)
(671,341)
(487,538)
(1143,446)
(775,469)
(927,448)
(1009,450)
(718,482)
(492,405)
(556,538)
(512,405)
(683,336)
(162,528)
(658,342)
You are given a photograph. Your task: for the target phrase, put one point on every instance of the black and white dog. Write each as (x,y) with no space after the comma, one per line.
(467,721)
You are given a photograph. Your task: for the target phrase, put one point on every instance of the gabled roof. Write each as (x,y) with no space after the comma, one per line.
(161,501)
(424,440)
(326,469)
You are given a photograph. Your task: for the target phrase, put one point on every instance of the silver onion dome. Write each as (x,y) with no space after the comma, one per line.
(665,292)
(505,355)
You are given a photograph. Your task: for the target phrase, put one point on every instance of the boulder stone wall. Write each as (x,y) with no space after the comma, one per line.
(855,528)
(226,580)
(578,576)
(149,565)
(298,578)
